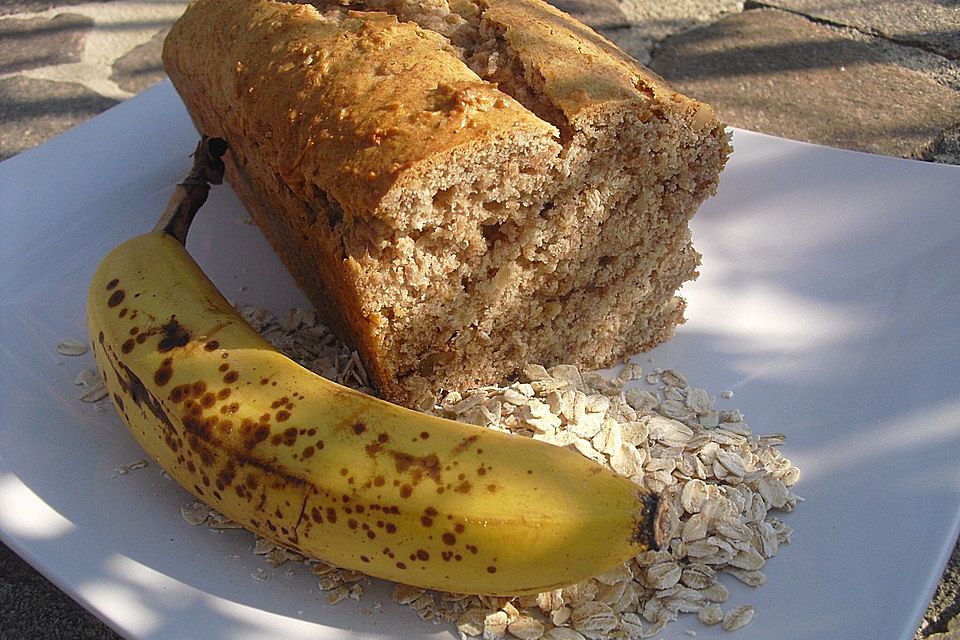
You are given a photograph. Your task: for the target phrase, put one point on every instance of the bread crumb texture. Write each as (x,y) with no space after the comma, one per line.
(461,186)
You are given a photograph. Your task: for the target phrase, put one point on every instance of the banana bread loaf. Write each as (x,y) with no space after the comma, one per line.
(460,186)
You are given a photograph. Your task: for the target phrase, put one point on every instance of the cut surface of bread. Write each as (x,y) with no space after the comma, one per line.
(462,187)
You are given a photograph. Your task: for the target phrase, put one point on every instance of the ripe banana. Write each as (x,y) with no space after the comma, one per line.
(334,474)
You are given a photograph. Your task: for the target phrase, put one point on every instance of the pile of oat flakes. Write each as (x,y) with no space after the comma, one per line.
(722,481)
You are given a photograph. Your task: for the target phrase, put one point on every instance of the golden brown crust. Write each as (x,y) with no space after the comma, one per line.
(574,68)
(331,98)
(461,186)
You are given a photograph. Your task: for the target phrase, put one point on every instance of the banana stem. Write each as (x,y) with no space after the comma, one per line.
(190,194)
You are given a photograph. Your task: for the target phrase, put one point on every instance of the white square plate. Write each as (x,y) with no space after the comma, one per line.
(829,302)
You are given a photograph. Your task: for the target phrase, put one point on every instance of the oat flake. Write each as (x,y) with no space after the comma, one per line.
(71,347)
(738,618)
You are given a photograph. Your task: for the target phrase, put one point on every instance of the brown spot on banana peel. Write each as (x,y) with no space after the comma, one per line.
(116,298)
(463,446)
(173,335)
(202,433)
(133,386)
(417,466)
(164,372)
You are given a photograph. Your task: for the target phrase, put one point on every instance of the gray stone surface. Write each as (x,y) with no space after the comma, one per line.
(932,24)
(32,111)
(32,608)
(633,39)
(8,7)
(944,610)
(51,41)
(780,73)
(945,149)
(658,19)
(141,67)
(599,14)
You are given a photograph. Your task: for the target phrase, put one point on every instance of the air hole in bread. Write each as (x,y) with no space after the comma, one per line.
(443,198)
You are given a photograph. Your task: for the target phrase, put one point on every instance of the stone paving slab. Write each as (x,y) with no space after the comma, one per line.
(118,28)
(8,7)
(781,73)
(32,608)
(660,19)
(931,24)
(55,41)
(33,111)
(140,68)
(598,14)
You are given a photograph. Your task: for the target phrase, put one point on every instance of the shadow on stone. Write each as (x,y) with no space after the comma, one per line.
(41,42)
(28,6)
(779,73)
(140,67)
(32,111)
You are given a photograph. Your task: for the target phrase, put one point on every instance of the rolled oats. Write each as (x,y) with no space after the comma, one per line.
(749,578)
(95,392)
(585,448)
(561,615)
(71,347)
(732,462)
(355,591)
(620,573)
(495,626)
(195,514)
(628,460)
(339,594)
(261,546)
(563,633)
(549,601)
(322,568)
(88,377)
(697,576)
(631,371)
(699,401)
(737,618)
(674,378)
(405,594)
(470,622)
(218,520)
(579,593)
(276,556)
(512,613)
(526,628)
(673,393)
(685,600)
(695,528)
(716,592)
(331,581)
(749,560)
(710,614)
(612,594)
(592,617)
(662,575)
(720,482)
(640,400)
